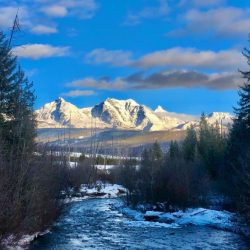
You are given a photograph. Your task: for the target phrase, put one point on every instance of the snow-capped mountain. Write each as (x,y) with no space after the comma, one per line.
(159,109)
(128,114)
(60,113)
(222,118)
(173,120)
(120,114)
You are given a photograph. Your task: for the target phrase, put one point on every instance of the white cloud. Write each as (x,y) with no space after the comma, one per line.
(77,93)
(8,13)
(227,21)
(189,57)
(113,57)
(32,12)
(83,9)
(150,12)
(37,51)
(177,57)
(55,10)
(42,29)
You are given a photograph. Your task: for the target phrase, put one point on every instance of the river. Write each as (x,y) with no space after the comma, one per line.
(97,224)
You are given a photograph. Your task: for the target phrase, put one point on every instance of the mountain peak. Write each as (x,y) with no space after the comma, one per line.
(221,115)
(159,109)
(60,99)
(121,114)
(113,100)
(132,101)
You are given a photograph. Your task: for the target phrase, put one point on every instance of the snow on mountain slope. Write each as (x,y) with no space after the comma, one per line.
(120,114)
(159,109)
(127,114)
(152,121)
(223,118)
(61,113)
(220,117)
(173,119)
(170,119)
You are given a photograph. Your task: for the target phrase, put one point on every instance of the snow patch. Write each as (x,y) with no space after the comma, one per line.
(99,190)
(193,216)
(14,242)
(110,190)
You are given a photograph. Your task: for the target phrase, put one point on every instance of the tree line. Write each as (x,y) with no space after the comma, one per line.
(208,163)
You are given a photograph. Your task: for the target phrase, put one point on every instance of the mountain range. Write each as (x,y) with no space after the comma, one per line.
(119,114)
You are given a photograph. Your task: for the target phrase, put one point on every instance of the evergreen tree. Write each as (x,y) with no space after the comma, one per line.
(17,121)
(156,152)
(145,158)
(29,185)
(239,148)
(145,174)
(8,76)
(128,177)
(243,112)
(151,163)
(203,136)
(211,147)
(190,144)
(174,150)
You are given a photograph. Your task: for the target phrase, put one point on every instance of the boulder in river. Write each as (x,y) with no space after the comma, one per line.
(152,216)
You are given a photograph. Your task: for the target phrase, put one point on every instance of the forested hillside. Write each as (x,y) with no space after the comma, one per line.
(209,163)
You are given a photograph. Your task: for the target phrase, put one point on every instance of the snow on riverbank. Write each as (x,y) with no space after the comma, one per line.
(109,190)
(222,220)
(99,190)
(20,243)
(194,216)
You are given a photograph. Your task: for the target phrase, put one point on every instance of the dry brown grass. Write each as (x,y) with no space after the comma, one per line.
(151,137)
(127,138)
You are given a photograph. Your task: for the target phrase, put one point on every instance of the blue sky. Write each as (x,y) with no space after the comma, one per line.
(181,54)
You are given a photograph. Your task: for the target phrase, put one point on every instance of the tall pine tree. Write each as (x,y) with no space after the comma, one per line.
(189,146)
(211,147)
(239,147)
(17,121)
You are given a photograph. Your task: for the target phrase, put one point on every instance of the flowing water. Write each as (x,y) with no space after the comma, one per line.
(96,224)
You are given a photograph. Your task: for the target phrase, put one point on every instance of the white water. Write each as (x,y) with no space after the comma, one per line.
(97,224)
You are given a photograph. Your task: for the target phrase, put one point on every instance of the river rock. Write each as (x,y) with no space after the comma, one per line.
(152,216)
(96,194)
